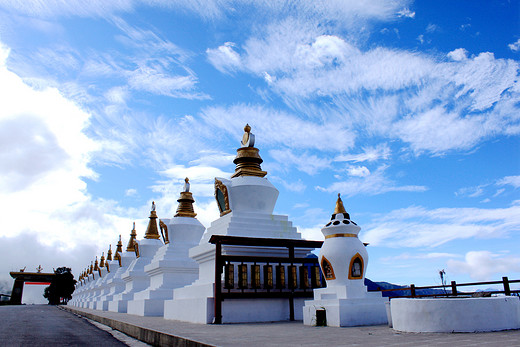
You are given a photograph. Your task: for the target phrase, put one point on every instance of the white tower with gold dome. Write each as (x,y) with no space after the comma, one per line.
(343,260)
(171,266)
(246,203)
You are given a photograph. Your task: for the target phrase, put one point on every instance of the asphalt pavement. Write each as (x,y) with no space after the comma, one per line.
(46,325)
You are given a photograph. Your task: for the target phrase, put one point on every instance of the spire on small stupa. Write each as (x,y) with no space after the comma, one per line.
(248,160)
(109,253)
(119,247)
(340,208)
(151,231)
(185,208)
(133,235)
(96,265)
(102,262)
(91,269)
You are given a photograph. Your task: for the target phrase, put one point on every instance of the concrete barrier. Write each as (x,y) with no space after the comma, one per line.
(456,314)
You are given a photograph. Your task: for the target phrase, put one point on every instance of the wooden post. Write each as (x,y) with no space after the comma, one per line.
(291,307)
(412,290)
(507,290)
(218,284)
(453,288)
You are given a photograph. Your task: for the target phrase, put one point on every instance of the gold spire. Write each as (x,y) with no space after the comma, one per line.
(339,205)
(248,160)
(119,247)
(91,268)
(109,253)
(340,208)
(133,235)
(185,208)
(96,265)
(151,230)
(102,262)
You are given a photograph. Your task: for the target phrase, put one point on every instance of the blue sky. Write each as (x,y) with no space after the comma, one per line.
(410,110)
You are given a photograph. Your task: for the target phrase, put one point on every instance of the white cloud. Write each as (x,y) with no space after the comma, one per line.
(458,54)
(370,154)
(430,104)
(373,184)
(471,192)
(349,11)
(308,163)
(405,12)
(358,171)
(294,186)
(131,192)
(419,227)
(224,58)
(515,46)
(273,127)
(408,256)
(432,28)
(44,199)
(484,265)
(509,180)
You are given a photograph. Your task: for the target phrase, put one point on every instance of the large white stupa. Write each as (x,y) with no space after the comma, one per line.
(246,203)
(343,260)
(171,266)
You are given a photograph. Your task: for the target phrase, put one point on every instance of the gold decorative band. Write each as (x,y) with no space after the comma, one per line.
(340,235)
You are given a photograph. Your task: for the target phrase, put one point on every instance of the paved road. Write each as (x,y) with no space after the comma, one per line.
(45,325)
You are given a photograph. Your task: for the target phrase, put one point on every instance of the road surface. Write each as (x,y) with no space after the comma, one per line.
(45,325)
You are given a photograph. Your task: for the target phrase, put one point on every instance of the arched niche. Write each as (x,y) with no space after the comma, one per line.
(356,267)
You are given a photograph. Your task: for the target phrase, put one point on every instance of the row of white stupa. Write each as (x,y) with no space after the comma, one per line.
(176,279)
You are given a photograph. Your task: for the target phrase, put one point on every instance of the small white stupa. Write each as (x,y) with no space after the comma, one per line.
(135,277)
(115,285)
(343,260)
(171,267)
(93,279)
(111,265)
(96,290)
(246,203)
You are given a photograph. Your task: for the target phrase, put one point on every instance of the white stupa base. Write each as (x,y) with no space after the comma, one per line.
(344,311)
(101,305)
(146,307)
(202,310)
(118,306)
(151,304)
(456,314)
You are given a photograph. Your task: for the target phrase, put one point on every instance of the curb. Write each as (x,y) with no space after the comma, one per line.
(152,337)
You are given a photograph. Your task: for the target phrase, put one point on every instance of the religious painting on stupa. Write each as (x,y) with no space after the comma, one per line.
(327,269)
(356,267)
(222,197)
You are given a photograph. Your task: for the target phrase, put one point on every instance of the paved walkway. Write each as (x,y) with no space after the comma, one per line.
(288,333)
(45,325)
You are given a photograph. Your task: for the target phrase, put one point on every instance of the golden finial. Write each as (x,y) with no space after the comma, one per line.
(185,208)
(151,231)
(119,247)
(133,235)
(102,262)
(109,253)
(96,265)
(339,206)
(248,160)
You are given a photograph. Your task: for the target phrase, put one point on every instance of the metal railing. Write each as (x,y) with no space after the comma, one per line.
(452,289)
